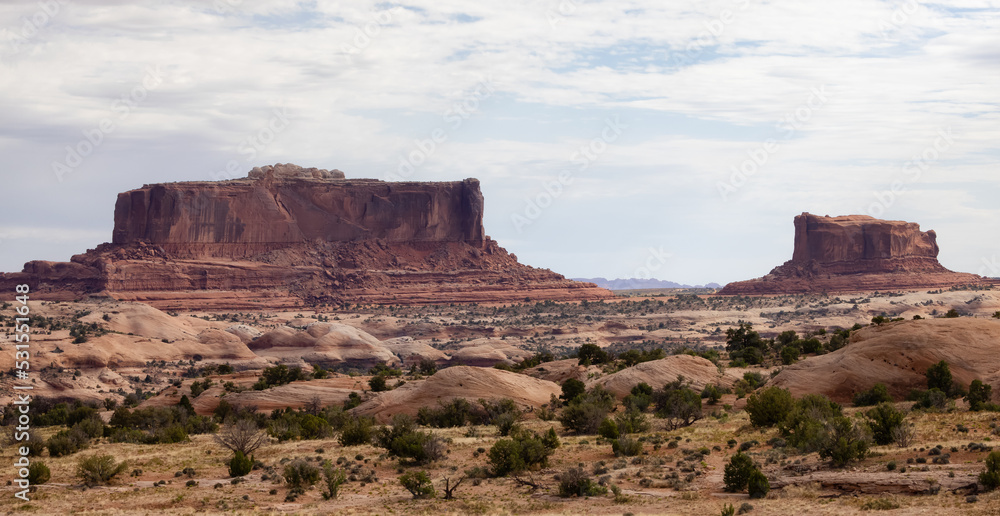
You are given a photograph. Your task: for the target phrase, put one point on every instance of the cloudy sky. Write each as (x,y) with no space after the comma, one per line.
(619,138)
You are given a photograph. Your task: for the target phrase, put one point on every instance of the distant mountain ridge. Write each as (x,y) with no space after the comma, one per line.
(639,283)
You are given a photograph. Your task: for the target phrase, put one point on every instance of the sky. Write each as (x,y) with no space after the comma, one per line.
(624,138)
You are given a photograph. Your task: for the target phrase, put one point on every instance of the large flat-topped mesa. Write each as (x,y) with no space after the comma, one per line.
(276,207)
(291,236)
(856,253)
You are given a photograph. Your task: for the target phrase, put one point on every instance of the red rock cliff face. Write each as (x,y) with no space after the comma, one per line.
(860,239)
(237,219)
(856,253)
(287,236)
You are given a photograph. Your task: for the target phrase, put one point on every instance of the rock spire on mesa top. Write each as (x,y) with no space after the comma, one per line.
(292,171)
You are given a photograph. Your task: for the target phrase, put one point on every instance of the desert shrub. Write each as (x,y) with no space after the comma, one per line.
(753,380)
(243,437)
(162,424)
(505,423)
(586,412)
(403,440)
(882,420)
(678,404)
(640,397)
(712,393)
(98,469)
(577,482)
(592,354)
(728,510)
(932,399)
(990,479)
(631,421)
(845,441)
(789,355)
(289,424)
(571,390)
(377,383)
(608,429)
(66,442)
(786,338)
(299,475)
(455,413)
(498,412)
(357,431)
(805,426)
(979,395)
(240,465)
(757,484)
(35,444)
(812,345)
(879,393)
(626,446)
(939,377)
(736,473)
(418,484)
(743,337)
(353,400)
(333,478)
(769,407)
(38,473)
(523,451)
(278,375)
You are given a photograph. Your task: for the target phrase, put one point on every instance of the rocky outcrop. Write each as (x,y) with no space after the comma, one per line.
(856,253)
(287,236)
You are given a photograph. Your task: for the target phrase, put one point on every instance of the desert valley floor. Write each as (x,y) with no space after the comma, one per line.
(127,355)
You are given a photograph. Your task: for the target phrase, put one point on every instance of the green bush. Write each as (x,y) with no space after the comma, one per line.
(626,446)
(592,354)
(757,484)
(418,484)
(678,404)
(378,383)
(455,413)
(845,442)
(990,479)
(403,440)
(586,412)
(979,395)
(299,475)
(736,473)
(712,393)
(98,469)
(333,478)
(640,398)
(883,420)
(805,427)
(523,451)
(789,355)
(67,442)
(38,473)
(571,390)
(769,407)
(939,377)
(357,431)
(879,393)
(576,482)
(608,429)
(933,399)
(240,465)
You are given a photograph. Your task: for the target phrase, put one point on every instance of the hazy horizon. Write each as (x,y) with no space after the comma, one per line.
(605,134)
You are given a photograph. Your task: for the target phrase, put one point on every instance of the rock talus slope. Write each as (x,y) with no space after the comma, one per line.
(856,253)
(286,236)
